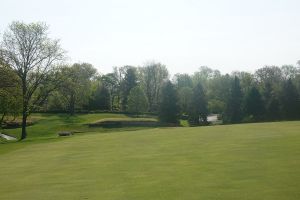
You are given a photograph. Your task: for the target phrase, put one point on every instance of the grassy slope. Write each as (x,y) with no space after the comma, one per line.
(252,161)
(50,124)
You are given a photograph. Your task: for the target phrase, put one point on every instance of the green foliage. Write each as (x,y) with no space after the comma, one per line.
(111,82)
(100,99)
(75,87)
(29,51)
(153,75)
(10,93)
(129,82)
(273,109)
(216,106)
(198,107)
(233,112)
(183,80)
(137,101)
(169,109)
(290,101)
(254,105)
(185,96)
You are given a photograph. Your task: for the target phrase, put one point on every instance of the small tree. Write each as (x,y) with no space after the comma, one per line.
(198,106)
(137,101)
(32,54)
(169,109)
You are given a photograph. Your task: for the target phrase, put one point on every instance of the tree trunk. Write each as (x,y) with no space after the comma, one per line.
(112,97)
(25,109)
(2,119)
(24,121)
(72,105)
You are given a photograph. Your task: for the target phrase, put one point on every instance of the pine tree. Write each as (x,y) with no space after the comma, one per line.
(273,109)
(198,108)
(100,99)
(254,105)
(290,101)
(233,112)
(169,108)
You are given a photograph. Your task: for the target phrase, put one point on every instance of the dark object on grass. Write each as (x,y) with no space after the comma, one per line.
(65,133)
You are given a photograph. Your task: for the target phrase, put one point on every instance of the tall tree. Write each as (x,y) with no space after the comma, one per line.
(169,109)
(75,88)
(254,105)
(129,82)
(183,80)
(273,109)
(204,74)
(290,101)
(100,99)
(137,101)
(289,71)
(33,55)
(198,107)
(153,77)
(110,82)
(217,93)
(233,112)
(184,96)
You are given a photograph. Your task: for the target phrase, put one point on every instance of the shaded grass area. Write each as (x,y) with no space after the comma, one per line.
(249,161)
(127,119)
(48,125)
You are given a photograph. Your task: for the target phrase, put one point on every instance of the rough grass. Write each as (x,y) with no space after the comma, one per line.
(250,161)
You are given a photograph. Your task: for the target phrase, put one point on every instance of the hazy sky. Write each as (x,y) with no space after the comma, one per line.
(182,34)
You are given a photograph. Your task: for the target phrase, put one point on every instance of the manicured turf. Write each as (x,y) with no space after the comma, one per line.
(251,161)
(48,125)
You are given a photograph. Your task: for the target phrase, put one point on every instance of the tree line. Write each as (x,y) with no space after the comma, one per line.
(35,78)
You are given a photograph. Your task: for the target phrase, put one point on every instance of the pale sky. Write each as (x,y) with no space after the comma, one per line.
(182,34)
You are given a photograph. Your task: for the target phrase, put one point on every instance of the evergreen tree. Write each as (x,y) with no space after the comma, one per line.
(101,99)
(233,112)
(185,96)
(254,105)
(169,108)
(198,106)
(273,109)
(290,101)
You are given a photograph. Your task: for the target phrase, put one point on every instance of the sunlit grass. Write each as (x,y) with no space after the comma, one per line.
(248,161)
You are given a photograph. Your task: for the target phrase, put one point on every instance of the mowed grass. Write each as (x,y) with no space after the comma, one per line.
(48,125)
(248,161)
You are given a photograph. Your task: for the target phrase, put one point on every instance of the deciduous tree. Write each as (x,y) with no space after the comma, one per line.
(32,54)
(137,101)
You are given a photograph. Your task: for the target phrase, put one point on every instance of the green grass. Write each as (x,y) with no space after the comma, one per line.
(48,125)
(127,119)
(249,161)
